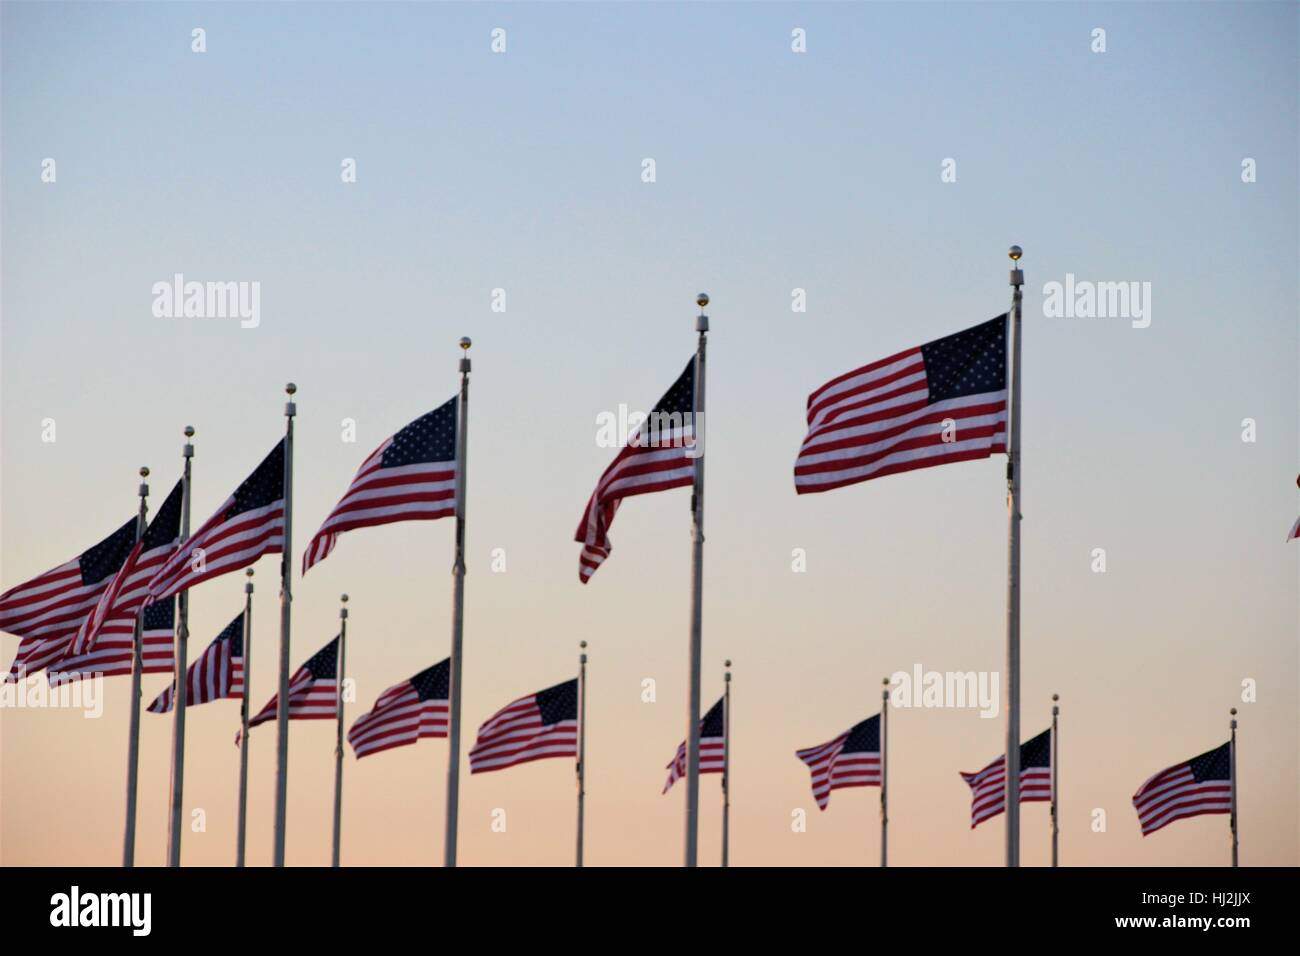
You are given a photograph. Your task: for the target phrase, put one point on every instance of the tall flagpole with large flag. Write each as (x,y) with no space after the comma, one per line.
(286,602)
(582,746)
(457,613)
(338,741)
(1232,772)
(884,772)
(726,766)
(697,592)
(181,644)
(1013,571)
(137,668)
(243,718)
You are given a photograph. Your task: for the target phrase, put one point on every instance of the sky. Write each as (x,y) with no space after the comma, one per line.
(829,171)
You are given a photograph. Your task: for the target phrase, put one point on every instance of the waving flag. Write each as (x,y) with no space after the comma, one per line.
(217,673)
(410,477)
(404,713)
(713,750)
(1189,789)
(941,402)
(988,795)
(47,611)
(111,656)
(540,725)
(313,690)
(122,599)
(850,760)
(249,524)
(656,457)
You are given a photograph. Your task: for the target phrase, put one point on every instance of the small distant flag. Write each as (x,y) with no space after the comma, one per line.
(47,610)
(850,760)
(1200,785)
(405,713)
(111,656)
(313,690)
(941,402)
(988,796)
(540,725)
(713,750)
(410,477)
(216,674)
(122,599)
(249,524)
(656,457)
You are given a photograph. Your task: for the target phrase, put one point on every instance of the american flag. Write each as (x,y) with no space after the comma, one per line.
(890,416)
(47,610)
(850,760)
(410,477)
(217,673)
(988,795)
(404,713)
(121,600)
(655,458)
(249,524)
(313,690)
(1200,785)
(540,725)
(111,656)
(713,749)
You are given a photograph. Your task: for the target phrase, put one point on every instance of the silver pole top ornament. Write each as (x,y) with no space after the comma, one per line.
(465,342)
(290,388)
(248,585)
(1017,277)
(702,320)
(1015,252)
(144,471)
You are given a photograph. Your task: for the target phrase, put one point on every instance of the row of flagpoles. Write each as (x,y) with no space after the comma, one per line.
(956,398)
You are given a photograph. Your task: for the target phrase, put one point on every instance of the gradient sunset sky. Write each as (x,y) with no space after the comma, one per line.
(775,171)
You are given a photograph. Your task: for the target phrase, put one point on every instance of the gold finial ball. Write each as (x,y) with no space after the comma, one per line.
(144,471)
(189,431)
(727,663)
(465,342)
(1015,252)
(343,598)
(1056,697)
(291,388)
(885,681)
(1233,711)
(249,572)
(582,643)
(702,299)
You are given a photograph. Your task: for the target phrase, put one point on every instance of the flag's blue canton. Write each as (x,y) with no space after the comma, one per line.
(864,738)
(434,683)
(263,486)
(558,703)
(1037,752)
(166,525)
(430,437)
(972,362)
(1213,764)
(104,559)
(160,616)
(712,724)
(681,397)
(234,633)
(324,664)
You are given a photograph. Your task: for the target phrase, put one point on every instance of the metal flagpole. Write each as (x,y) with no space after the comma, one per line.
(726,766)
(582,743)
(697,594)
(1013,574)
(1056,818)
(137,653)
(884,773)
(457,612)
(1232,770)
(181,691)
(338,741)
(243,720)
(286,603)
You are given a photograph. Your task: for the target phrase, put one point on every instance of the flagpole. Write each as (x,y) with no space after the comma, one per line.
(726,766)
(697,594)
(884,773)
(1056,819)
(243,720)
(1232,770)
(180,682)
(457,613)
(338,741)
(1013,574)
(137,667)
(582,743)
(286,602)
